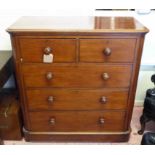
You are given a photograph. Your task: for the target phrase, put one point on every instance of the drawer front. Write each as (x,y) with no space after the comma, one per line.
(63,50)
(107,50)
(77,121)
(77,75)
(76,99)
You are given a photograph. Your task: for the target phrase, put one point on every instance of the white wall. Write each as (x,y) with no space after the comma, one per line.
(7,17)
(144,83)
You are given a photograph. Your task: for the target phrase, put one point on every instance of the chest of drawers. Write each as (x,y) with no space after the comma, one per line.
(87,92)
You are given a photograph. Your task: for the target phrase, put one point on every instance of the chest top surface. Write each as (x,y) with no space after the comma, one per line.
(77,24)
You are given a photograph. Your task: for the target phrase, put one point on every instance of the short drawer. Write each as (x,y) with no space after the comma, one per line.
(32,49)
(76,99)
(77,121)
(80,76)
(107,50)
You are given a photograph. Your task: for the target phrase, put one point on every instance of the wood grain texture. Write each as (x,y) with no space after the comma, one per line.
(122,50)
(76,99)
(83,24)
(10,117)
(96,137)
(77,121)
(63,50)
(78,77)
(134,80)
(19,80)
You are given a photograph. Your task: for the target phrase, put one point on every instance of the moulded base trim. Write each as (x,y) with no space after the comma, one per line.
(77,136)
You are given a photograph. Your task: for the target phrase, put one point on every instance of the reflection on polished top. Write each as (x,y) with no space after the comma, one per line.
(77,24)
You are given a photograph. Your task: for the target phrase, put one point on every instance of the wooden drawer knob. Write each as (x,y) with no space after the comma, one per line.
(50,99)
(47,50)
(52,121)
(107,51)
(49,76)
(101,120)
(105,76)
(103,100)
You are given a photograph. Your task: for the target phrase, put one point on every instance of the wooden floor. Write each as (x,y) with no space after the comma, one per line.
(135,139)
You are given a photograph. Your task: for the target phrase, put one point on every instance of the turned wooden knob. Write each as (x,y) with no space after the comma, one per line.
(101,120)
(47,50)
(103,99)
(50,99)
(107,51)
(49,76)
(105,76)
(52,121)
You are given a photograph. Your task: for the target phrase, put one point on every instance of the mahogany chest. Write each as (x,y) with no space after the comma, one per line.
(77,76)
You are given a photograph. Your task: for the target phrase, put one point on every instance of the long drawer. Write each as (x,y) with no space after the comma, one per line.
(33,49)
(80,76)
(77,121)
(76,99)
(107,50)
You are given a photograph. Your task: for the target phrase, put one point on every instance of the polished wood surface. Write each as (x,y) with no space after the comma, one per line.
(77,137)
(87,93)
(94,50)
(63,50)
(76,99)
(77,121)
(77,76)
(77,24)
